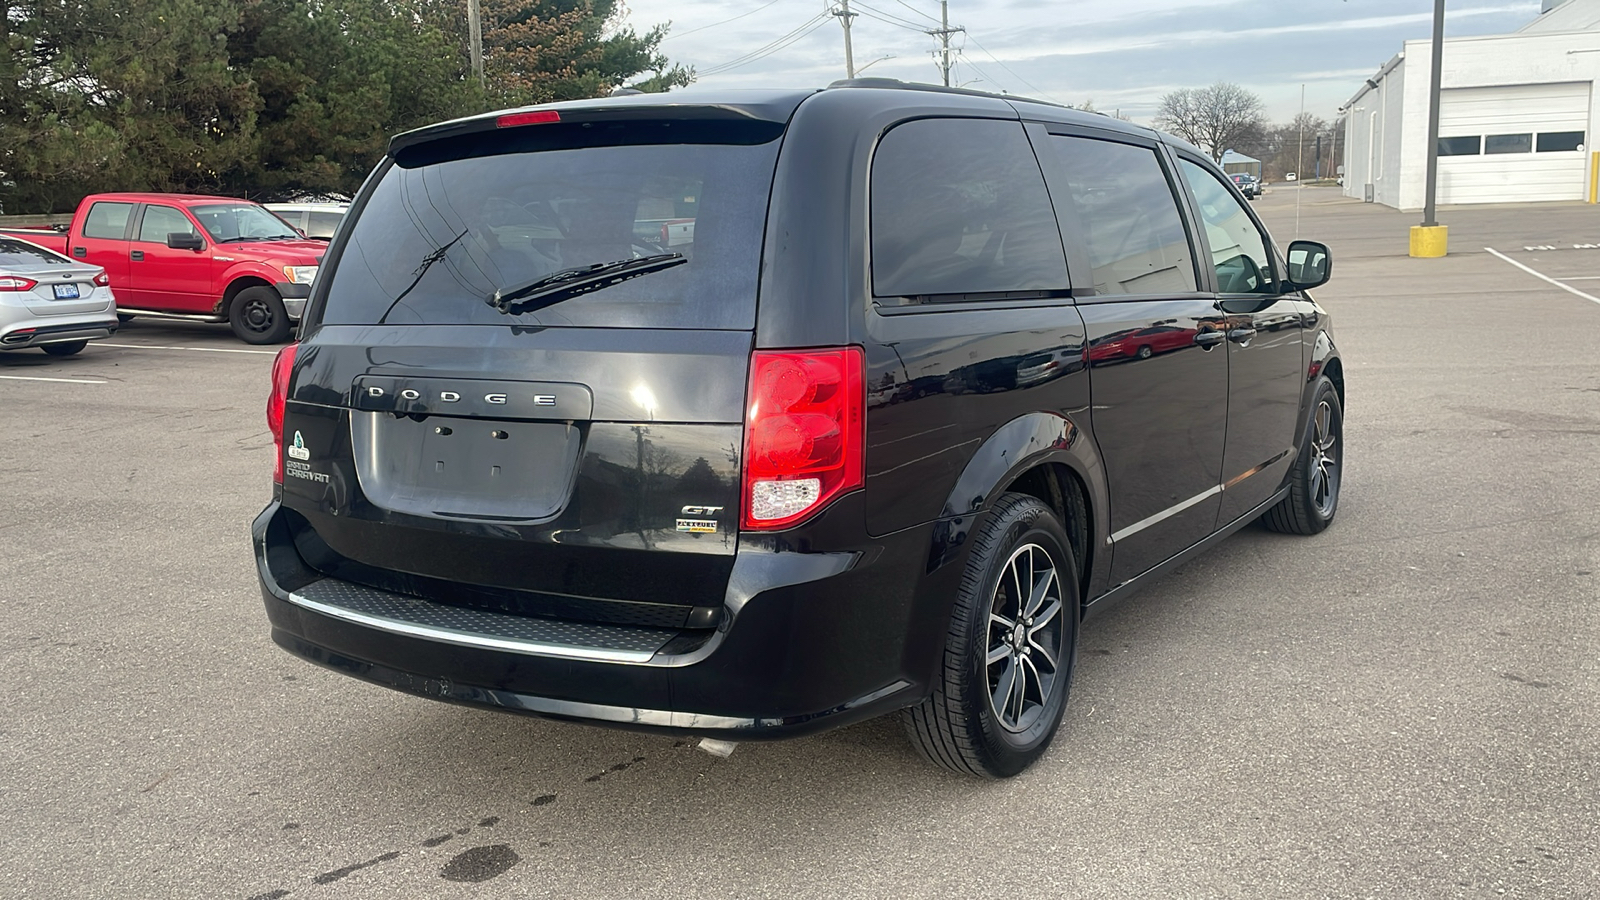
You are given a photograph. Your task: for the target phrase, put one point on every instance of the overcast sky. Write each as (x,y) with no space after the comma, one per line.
(1121,54)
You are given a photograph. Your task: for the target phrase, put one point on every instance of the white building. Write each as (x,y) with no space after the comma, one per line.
(1515,115)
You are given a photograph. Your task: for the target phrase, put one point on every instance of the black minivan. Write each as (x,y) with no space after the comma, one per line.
(747,414)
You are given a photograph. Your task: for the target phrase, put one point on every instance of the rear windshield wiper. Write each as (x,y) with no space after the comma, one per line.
(569,283)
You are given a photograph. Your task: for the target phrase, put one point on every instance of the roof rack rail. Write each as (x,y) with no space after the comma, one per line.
(897,84)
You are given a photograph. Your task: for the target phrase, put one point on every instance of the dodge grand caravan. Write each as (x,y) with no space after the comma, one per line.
(750,414)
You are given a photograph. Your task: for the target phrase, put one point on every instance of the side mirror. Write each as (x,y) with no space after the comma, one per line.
(185,240)
(1310,265)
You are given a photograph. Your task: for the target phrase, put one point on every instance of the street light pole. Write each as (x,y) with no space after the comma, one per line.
(1429,240)
(1428,212)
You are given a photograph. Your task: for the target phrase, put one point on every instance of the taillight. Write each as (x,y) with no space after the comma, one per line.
(282,367)
(103,280)
(802,433)
(16,283)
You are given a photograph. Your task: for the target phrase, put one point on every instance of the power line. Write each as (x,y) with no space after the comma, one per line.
(915,10)
(723,22)
(797,34)
(890,18)
(1002,65)
(873,14)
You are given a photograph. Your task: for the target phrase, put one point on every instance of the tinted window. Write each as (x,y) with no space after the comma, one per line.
(22,253)
(1560,141)
(160,221)
(323,224)
(498,222)
(1129,216)
(1460,146)
(959,207)
(107,220)
(1238,248)
(1508,143)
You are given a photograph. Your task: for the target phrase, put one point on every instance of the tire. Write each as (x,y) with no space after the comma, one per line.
(64,348)
(258,317)
(124,317)
(1145,352)
(1314,482)
(960,726)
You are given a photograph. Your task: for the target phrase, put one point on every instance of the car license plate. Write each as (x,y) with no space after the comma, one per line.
(66,292)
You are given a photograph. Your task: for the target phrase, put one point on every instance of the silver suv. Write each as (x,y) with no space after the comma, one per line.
(51,302)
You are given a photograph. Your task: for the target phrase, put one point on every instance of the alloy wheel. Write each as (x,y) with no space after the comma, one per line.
(1024,648)
(1325,465)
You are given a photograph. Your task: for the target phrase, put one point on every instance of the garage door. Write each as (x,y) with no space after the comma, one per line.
(1513,143)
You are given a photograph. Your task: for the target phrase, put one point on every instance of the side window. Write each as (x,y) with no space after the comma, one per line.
(1130,219)
(959,206)
(323,224)
(1238,248)
(107,220)
(160,221)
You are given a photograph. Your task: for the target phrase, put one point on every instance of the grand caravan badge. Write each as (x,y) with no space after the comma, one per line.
(297,450)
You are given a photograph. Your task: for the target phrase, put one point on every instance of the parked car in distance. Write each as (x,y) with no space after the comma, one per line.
(184,256)
(314,220)
(540,450)
(1247,184)
(50,301)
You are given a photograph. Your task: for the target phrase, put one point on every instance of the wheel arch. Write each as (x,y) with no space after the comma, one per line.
(236,284)
(1044,455)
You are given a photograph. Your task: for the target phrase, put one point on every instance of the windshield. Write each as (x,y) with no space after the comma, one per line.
(435,243)
(242,222)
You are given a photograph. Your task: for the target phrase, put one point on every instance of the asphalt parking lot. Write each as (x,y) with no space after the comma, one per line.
(1406,706)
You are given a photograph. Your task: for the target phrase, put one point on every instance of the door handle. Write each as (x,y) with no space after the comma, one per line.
(138,256)
(1209,339)
(80,252)
(1241,335)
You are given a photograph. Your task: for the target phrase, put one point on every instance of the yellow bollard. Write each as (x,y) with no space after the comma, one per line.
(1594,178)
(1429,241)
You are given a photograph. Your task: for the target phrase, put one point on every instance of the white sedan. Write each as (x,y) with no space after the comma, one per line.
(50,301)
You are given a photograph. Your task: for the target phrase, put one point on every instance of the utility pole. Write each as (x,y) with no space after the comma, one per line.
(943,33)
(845,15)
(475,39)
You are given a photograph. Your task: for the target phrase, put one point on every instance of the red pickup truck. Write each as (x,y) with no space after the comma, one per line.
(211,259)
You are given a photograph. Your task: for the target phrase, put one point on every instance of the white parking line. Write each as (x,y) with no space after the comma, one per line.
(57,380)
(201,349)
(1537,274)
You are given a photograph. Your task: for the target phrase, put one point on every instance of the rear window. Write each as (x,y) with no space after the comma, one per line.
(107,220)
(439,237)
(22,253)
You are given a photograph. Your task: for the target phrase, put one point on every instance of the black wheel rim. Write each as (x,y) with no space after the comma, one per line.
(1026,628)
(1325,459)
(257,315)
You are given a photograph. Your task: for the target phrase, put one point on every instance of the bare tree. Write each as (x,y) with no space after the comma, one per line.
(1212,118)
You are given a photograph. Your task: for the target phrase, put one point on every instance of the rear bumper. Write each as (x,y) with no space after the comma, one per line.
(22,335)
(809,641)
